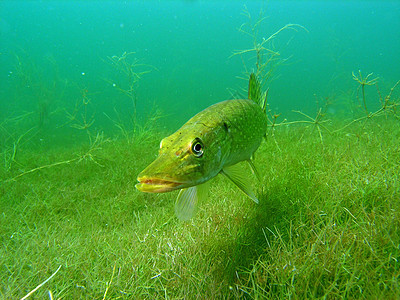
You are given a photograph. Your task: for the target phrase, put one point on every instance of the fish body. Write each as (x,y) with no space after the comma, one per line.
(211,142)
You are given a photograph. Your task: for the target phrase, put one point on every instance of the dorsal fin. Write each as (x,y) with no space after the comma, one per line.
(255,93)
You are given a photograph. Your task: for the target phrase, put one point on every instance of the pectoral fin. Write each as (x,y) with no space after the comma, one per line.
(254,169)
(235,174)
(186,202)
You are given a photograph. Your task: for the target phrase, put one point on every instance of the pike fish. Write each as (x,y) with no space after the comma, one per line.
(214,141)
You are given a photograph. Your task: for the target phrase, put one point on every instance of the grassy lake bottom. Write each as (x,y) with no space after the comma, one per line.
(328,222)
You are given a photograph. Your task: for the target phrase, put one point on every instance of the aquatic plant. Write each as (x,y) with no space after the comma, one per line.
(266,59)
(363,81)
(36,91)
(89,155)
(40,285)
(317,122)
(83,115)
(388,107)
(137,132)
(131,70)
(10,151)
(26,119)
(15,133)
(320,123)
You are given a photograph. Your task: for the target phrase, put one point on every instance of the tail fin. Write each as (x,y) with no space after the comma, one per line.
(255,93)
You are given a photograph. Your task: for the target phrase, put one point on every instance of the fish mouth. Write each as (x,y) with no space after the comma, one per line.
(156,185)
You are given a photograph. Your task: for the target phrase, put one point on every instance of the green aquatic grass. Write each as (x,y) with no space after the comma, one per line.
(327,224)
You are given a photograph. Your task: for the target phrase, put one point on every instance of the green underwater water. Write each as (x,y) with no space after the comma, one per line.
(88,90)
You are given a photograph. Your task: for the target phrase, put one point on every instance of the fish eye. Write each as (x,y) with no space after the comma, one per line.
(197,148)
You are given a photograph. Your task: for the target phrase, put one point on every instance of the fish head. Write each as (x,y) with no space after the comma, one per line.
(186,158)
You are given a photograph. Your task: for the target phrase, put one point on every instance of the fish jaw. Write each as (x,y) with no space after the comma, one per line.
(156,185)
(159,176)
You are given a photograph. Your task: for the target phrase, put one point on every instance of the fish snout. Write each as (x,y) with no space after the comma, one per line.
(156,185)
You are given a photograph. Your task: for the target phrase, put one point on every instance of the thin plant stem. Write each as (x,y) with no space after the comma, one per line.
(40,285)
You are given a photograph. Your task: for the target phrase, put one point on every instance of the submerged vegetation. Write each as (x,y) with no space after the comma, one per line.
(328,224)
